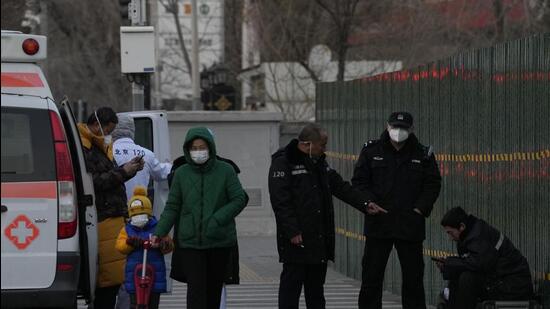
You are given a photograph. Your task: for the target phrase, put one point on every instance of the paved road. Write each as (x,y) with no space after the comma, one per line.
(259,272)
(263,295)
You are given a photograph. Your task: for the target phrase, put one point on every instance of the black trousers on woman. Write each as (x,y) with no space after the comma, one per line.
(205,271)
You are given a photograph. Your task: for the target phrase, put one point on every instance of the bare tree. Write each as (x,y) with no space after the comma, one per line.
(84,51)
(175,57)
(13,15)
(172,6)
(342,14)
(300,23)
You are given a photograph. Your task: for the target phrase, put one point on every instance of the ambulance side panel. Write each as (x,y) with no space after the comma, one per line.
(29,195)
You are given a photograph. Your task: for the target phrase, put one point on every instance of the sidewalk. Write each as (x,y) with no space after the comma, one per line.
(259,274)
(259,264)
(259,261)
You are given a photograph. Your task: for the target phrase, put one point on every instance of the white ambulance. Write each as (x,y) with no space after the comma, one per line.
(48,220)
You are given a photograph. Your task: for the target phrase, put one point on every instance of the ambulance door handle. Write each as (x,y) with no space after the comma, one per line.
(4,208)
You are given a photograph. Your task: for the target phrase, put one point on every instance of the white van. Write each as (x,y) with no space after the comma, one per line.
(48,220)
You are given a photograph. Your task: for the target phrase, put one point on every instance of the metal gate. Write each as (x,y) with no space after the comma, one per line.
(487,114)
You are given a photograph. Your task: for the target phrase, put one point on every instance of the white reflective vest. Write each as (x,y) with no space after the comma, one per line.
(124,150)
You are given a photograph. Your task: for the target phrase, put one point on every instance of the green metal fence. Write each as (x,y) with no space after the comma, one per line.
(487,114)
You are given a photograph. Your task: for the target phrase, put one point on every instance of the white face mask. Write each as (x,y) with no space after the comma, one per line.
(398,135)
(107,139)
(199,156)
(139,220)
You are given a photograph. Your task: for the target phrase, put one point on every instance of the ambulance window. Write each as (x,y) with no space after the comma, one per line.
(144,132)
(27,145)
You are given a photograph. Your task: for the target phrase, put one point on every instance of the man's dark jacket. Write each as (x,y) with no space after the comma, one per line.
(301,196)
(109,179)
(398,181)
(485,250)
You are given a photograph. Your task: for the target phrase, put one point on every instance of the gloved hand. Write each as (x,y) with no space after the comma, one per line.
(135,242)
(166,245)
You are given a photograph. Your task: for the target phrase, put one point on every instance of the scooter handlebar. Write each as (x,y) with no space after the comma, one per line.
(147,245)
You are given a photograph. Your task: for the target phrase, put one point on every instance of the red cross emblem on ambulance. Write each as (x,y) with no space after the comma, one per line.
(21,232)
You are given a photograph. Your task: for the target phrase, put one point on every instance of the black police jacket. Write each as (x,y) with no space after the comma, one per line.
(398,181)
(484,250)
(301,196)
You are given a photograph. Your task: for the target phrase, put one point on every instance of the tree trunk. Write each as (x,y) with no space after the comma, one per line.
(499,19)
(174,11)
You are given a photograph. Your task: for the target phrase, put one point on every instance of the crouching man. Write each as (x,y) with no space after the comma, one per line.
(488,266)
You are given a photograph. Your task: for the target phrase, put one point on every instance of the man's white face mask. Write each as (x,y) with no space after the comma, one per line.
(398,135)
(139,220)
(199,156)
(107,139)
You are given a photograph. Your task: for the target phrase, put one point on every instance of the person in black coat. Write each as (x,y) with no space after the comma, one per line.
(402,180)
(301,185)
(488,266)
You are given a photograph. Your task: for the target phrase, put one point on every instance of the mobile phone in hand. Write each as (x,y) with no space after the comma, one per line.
(138,158)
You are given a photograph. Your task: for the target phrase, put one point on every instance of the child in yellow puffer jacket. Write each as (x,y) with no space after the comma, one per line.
(130,242)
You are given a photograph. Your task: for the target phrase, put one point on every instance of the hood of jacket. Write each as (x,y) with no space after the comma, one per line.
(202,133)
(125,127)
(88,139)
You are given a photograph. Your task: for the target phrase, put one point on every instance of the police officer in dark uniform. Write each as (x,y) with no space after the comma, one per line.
(402,180)
(301,185)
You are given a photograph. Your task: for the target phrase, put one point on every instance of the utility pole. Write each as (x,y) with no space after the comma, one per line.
(195,56)
(137,11)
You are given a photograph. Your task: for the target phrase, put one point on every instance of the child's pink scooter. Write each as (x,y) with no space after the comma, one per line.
(144,277)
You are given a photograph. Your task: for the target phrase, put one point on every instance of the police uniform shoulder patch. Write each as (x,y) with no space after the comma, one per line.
(428,151)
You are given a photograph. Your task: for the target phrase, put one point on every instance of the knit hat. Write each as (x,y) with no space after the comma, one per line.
(124,128)
(140,203)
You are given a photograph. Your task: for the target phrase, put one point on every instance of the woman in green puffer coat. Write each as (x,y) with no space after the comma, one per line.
(205,197)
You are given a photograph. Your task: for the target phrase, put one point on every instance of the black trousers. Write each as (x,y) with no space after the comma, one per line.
(471,288)
(205,271)
(106,297)
(311,276)
(377,252)
(154,300)
(465,291)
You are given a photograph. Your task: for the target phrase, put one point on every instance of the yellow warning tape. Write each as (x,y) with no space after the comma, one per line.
(501,157)
(427,252)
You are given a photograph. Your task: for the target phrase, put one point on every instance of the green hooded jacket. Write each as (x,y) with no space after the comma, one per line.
(203,200)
